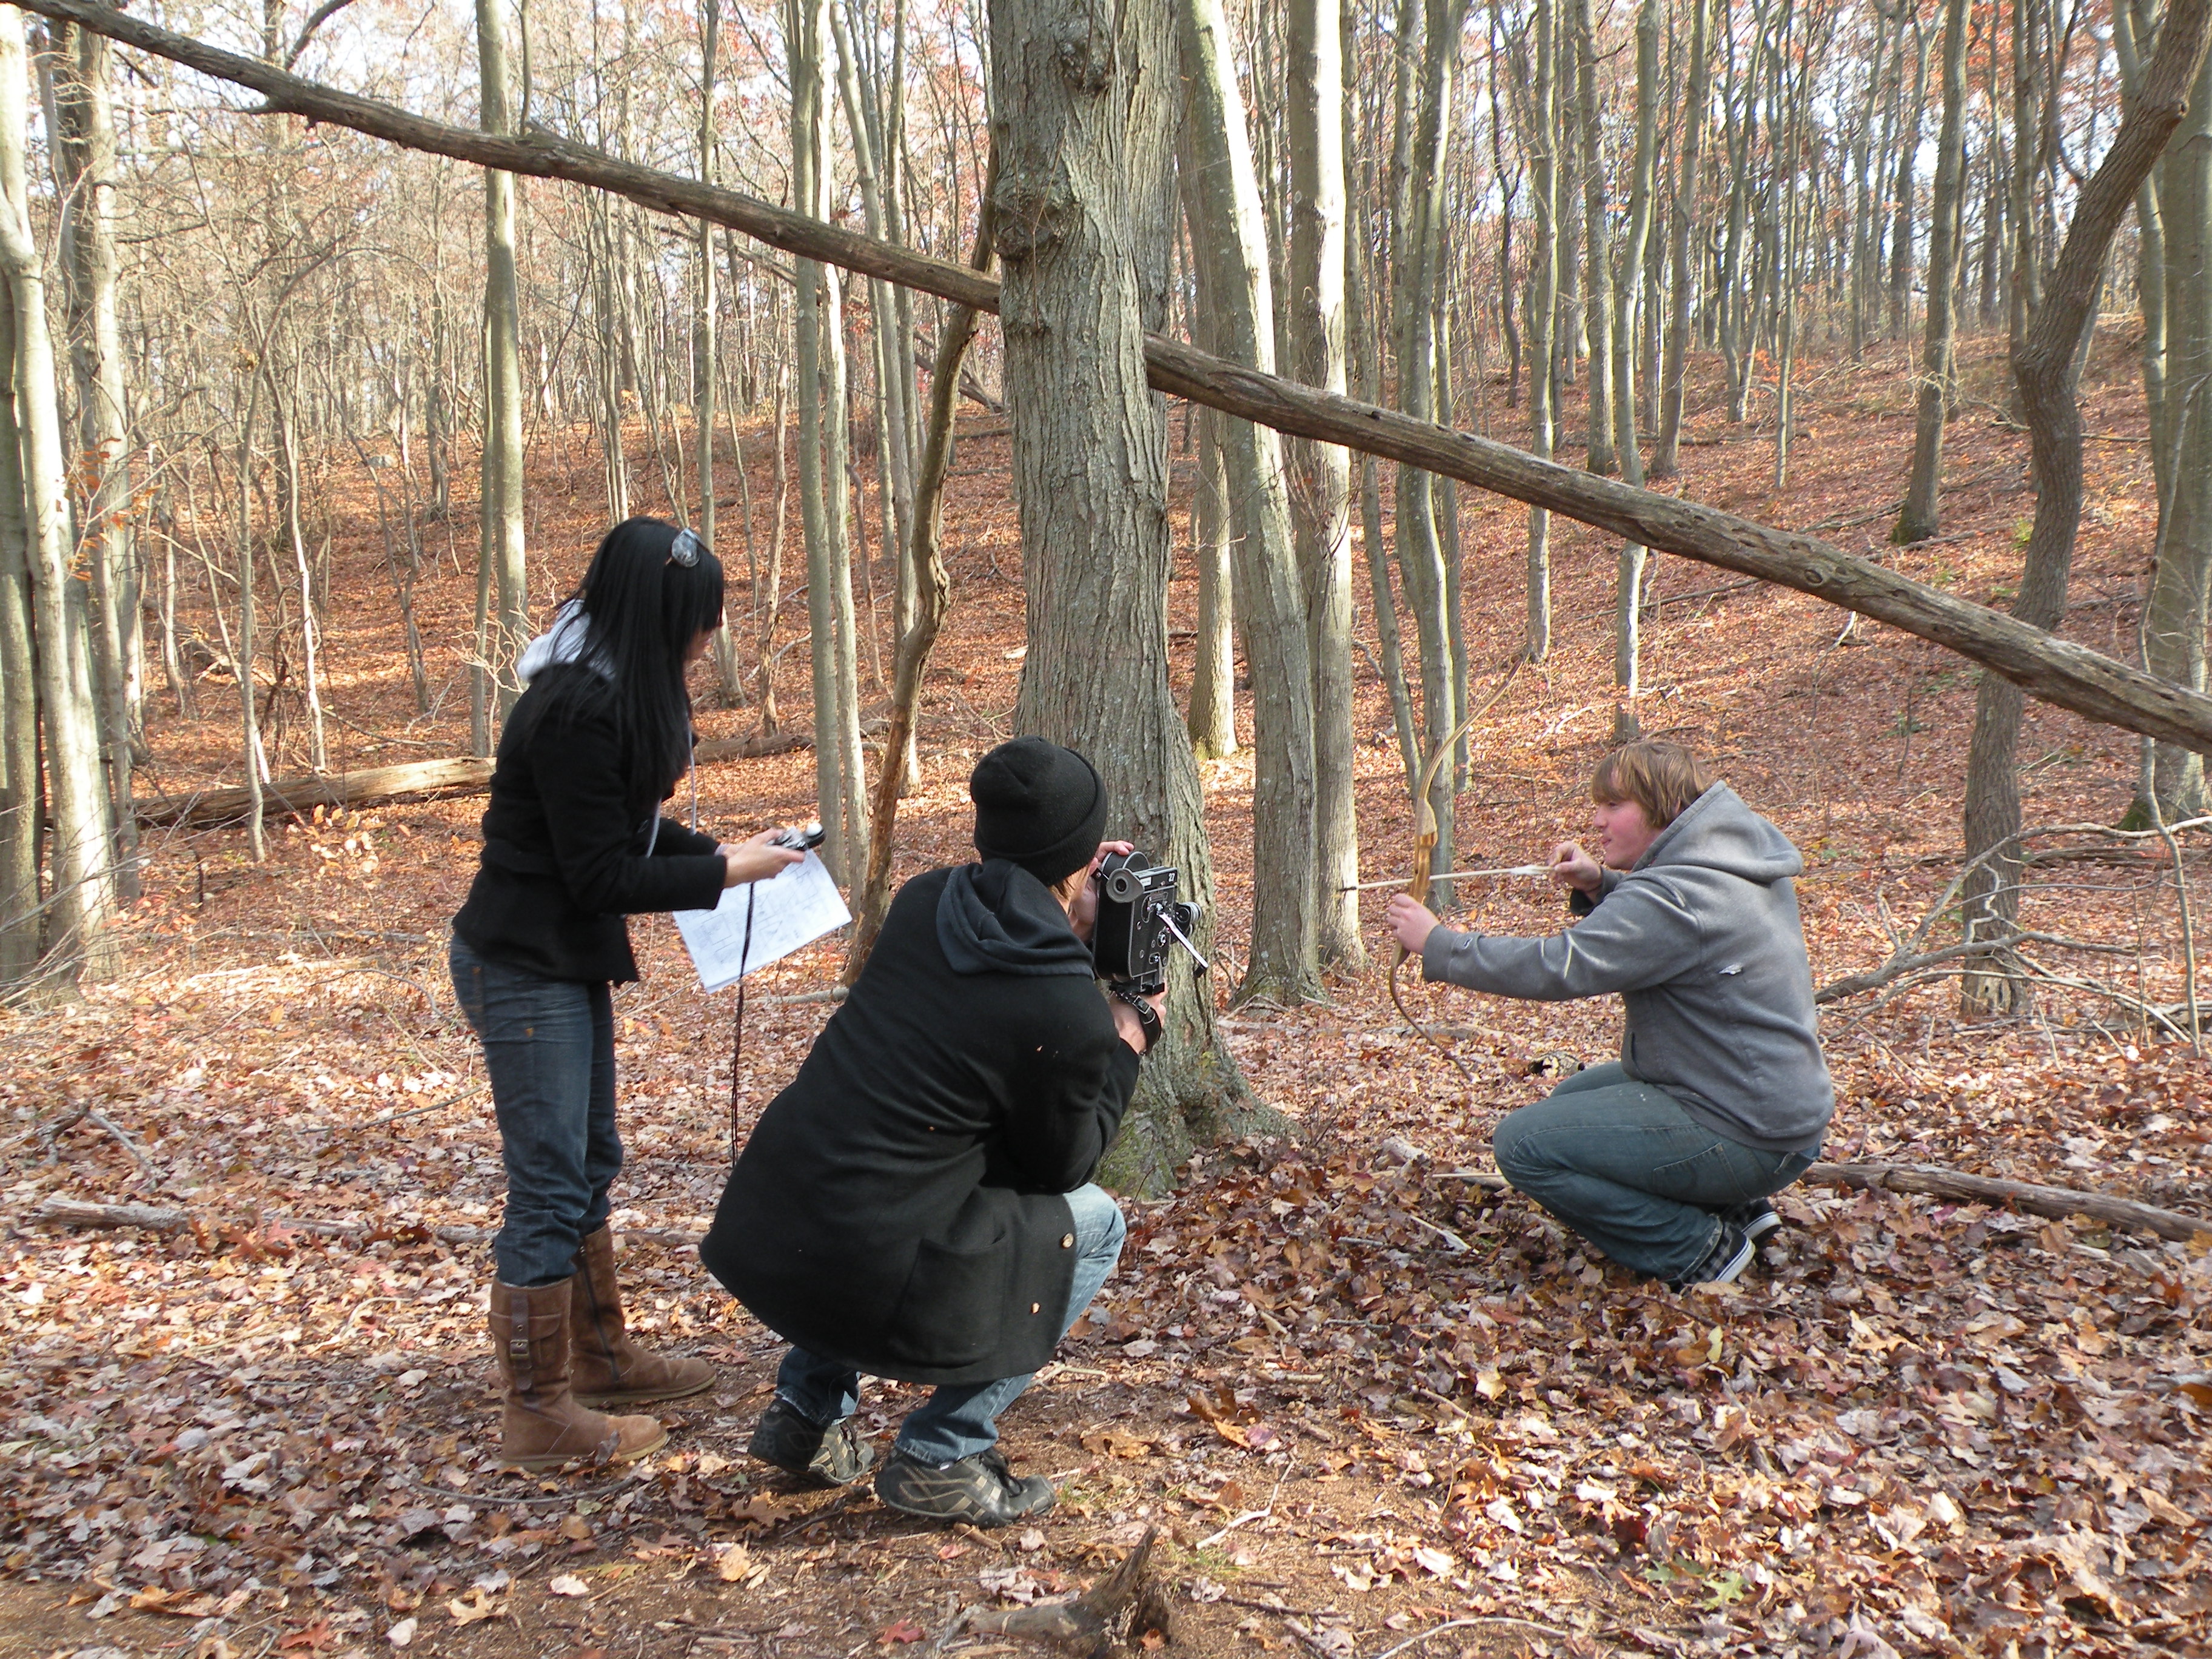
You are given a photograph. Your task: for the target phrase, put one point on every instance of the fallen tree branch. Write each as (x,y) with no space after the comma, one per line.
(77,1212)
(2055,670)
(1935,1182)
(2058,1201)
(377,785)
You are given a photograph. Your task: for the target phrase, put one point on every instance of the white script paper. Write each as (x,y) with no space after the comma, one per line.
(790,911)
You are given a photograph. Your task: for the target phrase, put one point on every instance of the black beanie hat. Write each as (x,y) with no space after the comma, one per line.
(1038,805)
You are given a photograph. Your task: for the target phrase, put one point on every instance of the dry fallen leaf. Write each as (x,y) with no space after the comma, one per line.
(567,1584)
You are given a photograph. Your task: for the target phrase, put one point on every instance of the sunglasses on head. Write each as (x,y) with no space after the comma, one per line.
(686,549)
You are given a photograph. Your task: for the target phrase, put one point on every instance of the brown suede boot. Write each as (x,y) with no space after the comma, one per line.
(608,1368)
(544,1424)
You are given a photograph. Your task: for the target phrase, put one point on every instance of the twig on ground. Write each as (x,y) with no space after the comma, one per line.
(147,1167)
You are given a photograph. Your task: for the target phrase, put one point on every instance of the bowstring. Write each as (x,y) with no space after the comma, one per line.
(737,1038)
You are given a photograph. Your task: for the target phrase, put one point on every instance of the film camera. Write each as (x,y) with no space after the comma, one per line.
(1139,920)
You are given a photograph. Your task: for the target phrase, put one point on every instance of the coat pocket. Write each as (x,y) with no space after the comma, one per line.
(954,1305)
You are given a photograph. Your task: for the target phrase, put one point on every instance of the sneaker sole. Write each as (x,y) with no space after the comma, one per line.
(1735,1266)
(965,1510)
(1764,1226)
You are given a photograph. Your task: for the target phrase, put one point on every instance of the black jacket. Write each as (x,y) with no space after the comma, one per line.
(898,1208)
(564,857)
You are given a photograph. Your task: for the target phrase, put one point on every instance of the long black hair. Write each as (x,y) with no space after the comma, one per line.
(642,606)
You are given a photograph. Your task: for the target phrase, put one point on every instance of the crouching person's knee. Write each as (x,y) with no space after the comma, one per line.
(1512,1145)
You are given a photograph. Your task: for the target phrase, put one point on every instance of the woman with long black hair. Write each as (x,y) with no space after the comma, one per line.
(574,843)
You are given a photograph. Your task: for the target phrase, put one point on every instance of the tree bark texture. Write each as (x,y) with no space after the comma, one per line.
(1321,474)
(2046,368)
(1229,238)
(81,883)
(1081,99)
(502,550)
(1922,516)
(2056,671)
(84,156)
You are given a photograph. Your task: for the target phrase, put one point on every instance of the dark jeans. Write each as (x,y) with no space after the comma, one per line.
(960,1419)
(549,1052)
(1627,1168)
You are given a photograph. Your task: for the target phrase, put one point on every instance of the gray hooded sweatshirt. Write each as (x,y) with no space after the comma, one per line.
(1702,941)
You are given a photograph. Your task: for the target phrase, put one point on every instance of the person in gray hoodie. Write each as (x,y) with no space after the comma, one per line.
(1666,1158)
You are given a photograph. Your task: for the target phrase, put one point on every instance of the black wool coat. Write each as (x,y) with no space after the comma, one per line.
(899,1208)
(564,857)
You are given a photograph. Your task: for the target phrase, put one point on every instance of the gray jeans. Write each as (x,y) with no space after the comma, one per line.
(1622,1164)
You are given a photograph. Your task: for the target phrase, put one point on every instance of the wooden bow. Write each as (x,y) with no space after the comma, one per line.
(1424,854)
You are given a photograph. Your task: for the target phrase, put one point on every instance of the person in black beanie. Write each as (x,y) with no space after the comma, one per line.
(918,1203)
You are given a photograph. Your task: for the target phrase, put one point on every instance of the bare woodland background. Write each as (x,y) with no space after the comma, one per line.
(308,432)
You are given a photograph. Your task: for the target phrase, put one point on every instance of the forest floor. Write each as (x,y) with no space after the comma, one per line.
(1372,1408)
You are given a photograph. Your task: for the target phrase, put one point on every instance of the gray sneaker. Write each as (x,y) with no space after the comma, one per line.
(977,1490)
(1756,1218)
(831,1456)
(1730,1254)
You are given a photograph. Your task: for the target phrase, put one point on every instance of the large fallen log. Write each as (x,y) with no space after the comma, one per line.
(377,785)
(2056,671)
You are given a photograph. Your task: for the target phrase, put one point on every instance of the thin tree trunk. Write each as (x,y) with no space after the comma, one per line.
(932,589)
(2046,368)
(82,881)
(1922,517)
(1321,494)
(1629,585)
(84,156)
(1597,309)
(1664,459)
(23,792)
(1229,238)
(1542,314)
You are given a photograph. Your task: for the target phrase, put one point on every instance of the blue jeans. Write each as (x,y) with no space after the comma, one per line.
(960,1419)
(1626,1167)
(549,1052)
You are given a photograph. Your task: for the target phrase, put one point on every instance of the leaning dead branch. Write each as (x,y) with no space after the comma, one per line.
(2056,670)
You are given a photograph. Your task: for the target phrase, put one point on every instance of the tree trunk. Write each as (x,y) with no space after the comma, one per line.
(823,454)
(23,792)
(2046,368)
(81,881)
(1629,585)
(932,589)
(1922,517)
(1420,253)
(1080,124)
(501,514)
(1598,291)
(1229,238)
(2174,614)
(1543,318)
(1320,493)
(84,156)
(1664,464)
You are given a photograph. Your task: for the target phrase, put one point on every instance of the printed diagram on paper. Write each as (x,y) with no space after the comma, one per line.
(789,912)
